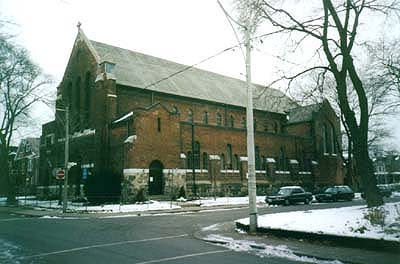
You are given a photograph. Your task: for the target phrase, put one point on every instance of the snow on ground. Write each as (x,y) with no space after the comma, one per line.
(345,221)
(124,208)
(264,250)
(9,252)
(395,194)
(204,202)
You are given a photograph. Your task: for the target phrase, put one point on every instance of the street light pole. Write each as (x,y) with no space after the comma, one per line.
(250,137)
(65,191)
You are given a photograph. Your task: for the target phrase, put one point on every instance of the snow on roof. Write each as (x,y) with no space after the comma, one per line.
(214,157)
(123,118)
(130,139)
(270,160)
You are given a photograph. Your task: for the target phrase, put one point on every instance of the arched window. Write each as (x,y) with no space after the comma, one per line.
(324,138)
(196,155)
(189,163)
(175,109)
(222,161)
(68,95)
(219,119)
(257,158)
(275,127)
(190,115)
(333,139)
(263,163)
(205,161)
(243,122)
(231,121)
(229,156)
(205,118)
(266,126)
(282,159)
(87,99)
(77,99)
(235,162)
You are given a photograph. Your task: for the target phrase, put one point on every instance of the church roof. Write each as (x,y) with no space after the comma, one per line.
(138,70)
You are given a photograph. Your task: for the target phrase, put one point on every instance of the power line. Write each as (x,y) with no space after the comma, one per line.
(260,37)
(189,67)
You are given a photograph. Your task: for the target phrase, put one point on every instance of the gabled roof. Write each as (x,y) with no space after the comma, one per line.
(28,147)
(303,113)
(139,70)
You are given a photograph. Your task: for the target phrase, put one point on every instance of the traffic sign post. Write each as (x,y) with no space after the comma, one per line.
(60,175)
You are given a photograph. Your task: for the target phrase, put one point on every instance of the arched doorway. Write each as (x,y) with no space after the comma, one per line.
(156,178)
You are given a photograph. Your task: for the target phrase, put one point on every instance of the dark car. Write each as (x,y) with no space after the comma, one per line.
(336,193)
(289,195)
(383,189)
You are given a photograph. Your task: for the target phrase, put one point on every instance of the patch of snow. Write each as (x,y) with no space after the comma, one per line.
(181,199)
(9,253)
(50,217)
(395,194)
(345,221)
(264,250)
(125,208)
(213,227)
(204,202)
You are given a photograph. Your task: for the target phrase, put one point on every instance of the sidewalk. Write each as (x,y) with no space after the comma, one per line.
(263,244)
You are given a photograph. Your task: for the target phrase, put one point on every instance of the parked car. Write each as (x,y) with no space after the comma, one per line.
(336,193)
(383,189)
(289,195)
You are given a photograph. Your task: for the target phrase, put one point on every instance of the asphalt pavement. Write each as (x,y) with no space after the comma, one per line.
(192,235)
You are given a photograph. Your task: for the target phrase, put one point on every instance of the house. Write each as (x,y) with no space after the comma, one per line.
(26,164)
(157,125)
(387,168)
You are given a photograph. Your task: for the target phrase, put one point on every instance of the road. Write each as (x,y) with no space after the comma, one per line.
(160,238)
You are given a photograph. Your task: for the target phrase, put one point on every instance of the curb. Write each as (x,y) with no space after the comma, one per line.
(353,242)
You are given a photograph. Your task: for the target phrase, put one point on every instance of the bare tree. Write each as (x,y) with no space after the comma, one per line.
(385,64)
(333,27)
(21,86)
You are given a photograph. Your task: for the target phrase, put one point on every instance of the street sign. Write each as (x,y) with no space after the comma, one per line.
(60,174)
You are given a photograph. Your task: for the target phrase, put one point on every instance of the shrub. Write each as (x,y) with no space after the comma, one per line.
(182,192)
(376,216)
(140,196)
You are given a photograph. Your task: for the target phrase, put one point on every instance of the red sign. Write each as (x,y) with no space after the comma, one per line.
(60,174)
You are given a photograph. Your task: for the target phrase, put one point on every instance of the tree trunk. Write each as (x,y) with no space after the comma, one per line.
(7,183)
(366,170)
(3,172)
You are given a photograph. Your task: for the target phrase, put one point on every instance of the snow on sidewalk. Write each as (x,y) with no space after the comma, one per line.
(345,221)
(206,202)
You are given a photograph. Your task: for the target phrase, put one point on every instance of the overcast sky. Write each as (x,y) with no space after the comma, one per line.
(184,31)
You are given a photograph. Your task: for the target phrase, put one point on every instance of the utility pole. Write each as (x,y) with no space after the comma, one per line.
(251,166)
(65,193)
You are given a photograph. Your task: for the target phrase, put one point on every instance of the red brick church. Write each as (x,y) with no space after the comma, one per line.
(154,123)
